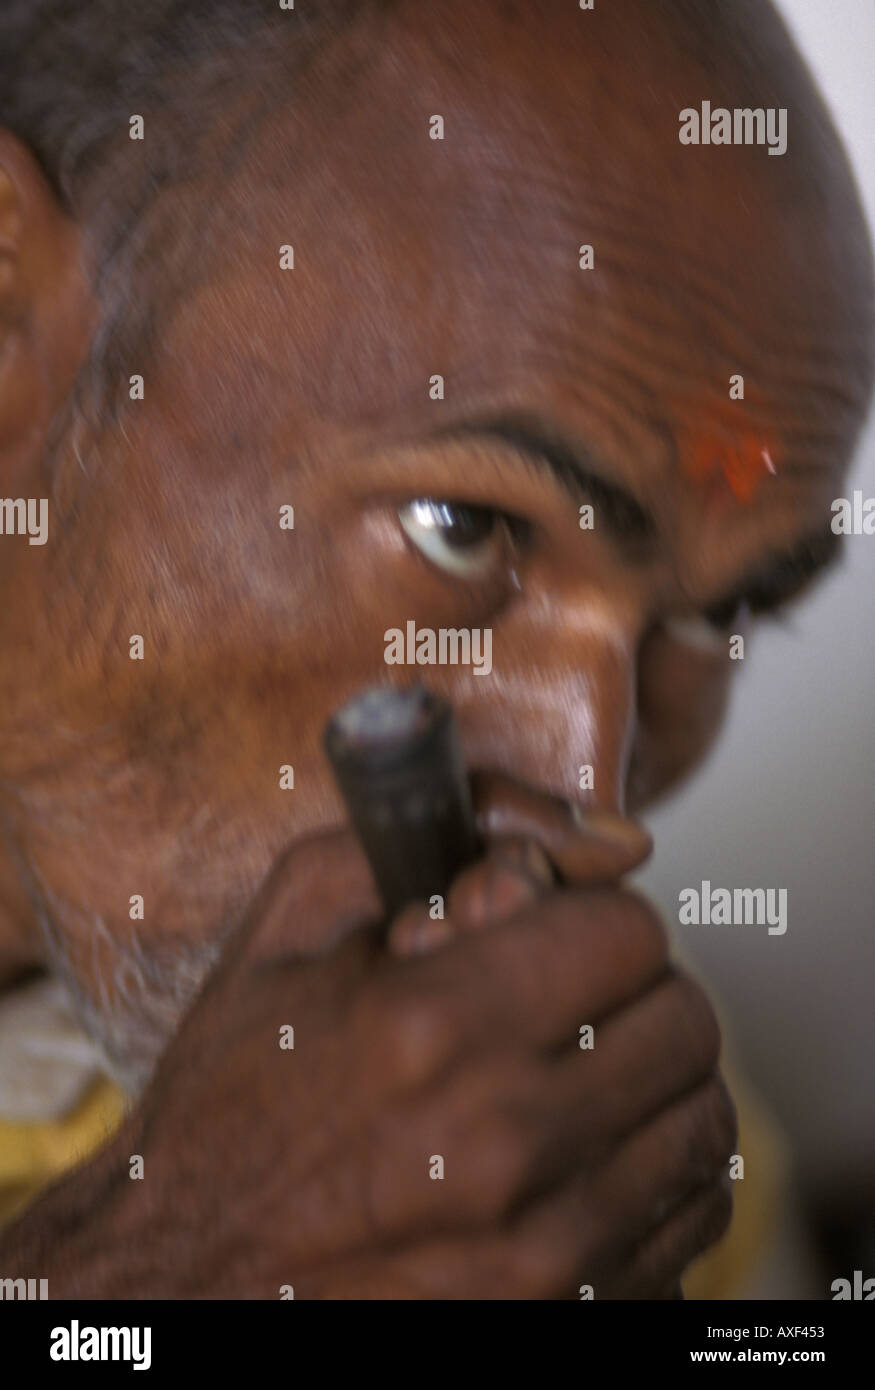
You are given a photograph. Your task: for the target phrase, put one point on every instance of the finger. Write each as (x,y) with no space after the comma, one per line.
(679,1151)
(571,958)
(589,846)
(517,1127)
(317,893)
(693,1228)
(511,876)
(602,847)
(530,1264)
(628,1232)
(631,1229)
(645,1058)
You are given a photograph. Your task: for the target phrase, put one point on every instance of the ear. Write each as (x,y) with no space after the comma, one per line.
(47,310)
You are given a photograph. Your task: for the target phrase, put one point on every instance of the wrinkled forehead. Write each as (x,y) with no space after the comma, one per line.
(437,195)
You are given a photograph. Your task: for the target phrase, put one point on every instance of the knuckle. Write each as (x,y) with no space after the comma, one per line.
(699,1021)
(713,1133)
(420,1035)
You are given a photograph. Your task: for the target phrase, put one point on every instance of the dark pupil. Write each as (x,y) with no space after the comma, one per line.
(461,525)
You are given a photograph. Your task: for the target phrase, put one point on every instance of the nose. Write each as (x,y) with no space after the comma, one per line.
(550,732)
(558,709)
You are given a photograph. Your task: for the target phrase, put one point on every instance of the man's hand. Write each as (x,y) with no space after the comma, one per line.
(266,1167)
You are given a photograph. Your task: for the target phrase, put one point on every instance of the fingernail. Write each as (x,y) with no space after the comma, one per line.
(428,935)
(525,856)
(612,828)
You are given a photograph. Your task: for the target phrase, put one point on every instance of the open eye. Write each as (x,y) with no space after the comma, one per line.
(465,541)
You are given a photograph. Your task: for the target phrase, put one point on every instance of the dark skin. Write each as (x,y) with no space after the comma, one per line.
(162,777)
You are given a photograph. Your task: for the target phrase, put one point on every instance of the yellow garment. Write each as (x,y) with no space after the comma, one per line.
(34,1155)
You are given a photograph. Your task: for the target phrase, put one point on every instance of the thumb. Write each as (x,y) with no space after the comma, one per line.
(320,891)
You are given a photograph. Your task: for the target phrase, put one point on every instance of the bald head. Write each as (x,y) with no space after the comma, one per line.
(204,84)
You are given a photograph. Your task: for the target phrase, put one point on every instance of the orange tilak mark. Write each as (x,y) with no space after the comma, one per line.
(744,461)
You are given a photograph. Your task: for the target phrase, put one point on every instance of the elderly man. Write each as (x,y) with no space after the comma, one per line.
(316,322)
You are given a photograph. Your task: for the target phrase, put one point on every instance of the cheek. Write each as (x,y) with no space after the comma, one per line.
(682,698)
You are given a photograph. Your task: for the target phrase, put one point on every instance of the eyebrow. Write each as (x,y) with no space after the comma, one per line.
(573,467)
(773,582)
